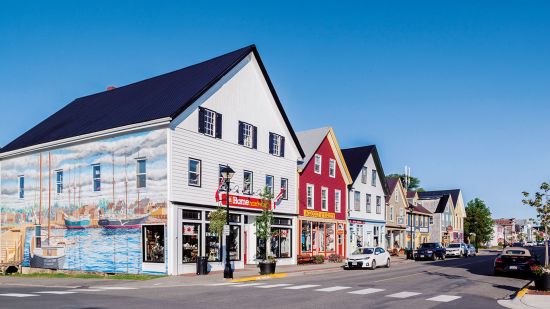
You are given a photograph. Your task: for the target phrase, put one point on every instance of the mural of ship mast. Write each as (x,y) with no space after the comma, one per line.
(78,221)
(126,221)
(46,255)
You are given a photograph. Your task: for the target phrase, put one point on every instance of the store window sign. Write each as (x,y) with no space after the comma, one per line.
(189,230)
(242,201)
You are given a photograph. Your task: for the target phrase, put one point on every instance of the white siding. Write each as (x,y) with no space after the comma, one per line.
(368,189)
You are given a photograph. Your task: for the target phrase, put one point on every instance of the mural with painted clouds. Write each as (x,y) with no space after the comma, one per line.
(82,207)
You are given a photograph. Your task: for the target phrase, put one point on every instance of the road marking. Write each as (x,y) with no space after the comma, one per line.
(56,292)
(403,294)
(221,284)
(247,284)
(444,298)
(18,295)
(333,288)
(366,291)
(273,286)
(86,290)
(299,287)
(398,277)
(115,288)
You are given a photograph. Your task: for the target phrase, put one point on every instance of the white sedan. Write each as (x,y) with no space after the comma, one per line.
(370,257)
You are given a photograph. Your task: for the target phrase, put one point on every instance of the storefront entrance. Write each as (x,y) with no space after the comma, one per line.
(322,238)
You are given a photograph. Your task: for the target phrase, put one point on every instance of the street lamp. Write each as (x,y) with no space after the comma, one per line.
(411,210)
(227,173)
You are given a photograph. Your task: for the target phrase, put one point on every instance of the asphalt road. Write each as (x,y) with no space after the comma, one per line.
(454,283)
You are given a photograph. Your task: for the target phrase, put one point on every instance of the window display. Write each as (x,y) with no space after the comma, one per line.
(234,243)
(306,236)
(329,237)
(153,243)
(212,245)
(190,240)
(281,242)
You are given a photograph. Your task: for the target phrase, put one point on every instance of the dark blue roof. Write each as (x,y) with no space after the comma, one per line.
(162,96)
(454,193)
(356,158)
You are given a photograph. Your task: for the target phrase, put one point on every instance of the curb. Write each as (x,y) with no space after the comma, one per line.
(262,277)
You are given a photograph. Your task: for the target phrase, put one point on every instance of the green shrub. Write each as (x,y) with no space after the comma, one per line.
(318,259)
(335,258)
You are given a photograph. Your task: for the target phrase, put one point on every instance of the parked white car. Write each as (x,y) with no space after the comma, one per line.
(370,257)
(457,249)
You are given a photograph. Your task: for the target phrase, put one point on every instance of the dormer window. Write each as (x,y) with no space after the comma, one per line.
(248,135)
(276,145)
(318,161)
(210,123)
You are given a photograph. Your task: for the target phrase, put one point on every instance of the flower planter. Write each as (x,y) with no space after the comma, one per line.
(267,268)
(542,282)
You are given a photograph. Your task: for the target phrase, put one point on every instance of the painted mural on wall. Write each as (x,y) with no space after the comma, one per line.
(82,207)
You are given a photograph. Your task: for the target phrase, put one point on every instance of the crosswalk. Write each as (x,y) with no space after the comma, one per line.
(317,288)
(66,292)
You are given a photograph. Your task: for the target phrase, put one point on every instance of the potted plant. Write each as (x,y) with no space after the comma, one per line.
(542,204)
(263,232)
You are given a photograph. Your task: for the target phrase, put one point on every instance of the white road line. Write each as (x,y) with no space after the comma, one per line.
(56,292)
(248,284)
(333,288)
(221,284)
(115,288)
(444,298)
(18,295)
(299,287)
(403,294)
(366,291)
(85,290)
(273,286)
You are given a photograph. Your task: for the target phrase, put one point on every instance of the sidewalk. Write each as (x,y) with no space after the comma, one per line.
(528,298)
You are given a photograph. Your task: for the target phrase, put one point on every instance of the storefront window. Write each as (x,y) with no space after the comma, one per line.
(281,242)
(212,245)
(306,236)
(191,243)
(321,236)
(329,237)
(153,243)
(234,242)
(360,236)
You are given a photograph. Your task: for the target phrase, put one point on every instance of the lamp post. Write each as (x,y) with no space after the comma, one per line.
(411,220)
(227,174)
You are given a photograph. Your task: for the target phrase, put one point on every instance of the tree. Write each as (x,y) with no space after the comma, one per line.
(414,183)
(264,221)
(478,221)
(542,204)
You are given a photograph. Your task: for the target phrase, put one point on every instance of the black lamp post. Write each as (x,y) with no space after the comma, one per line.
(227,174)
(411,221)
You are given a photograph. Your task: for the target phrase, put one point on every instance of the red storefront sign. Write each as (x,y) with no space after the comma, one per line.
(356,221)
(241,201)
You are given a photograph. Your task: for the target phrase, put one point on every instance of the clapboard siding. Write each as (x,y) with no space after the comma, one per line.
(368,189)
(242,96)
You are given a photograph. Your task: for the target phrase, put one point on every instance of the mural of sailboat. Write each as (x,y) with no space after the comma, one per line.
(79,221)
(126,221)
(46,255)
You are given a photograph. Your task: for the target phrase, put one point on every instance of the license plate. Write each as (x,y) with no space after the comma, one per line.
(354,263)
(513,267)
(422,255)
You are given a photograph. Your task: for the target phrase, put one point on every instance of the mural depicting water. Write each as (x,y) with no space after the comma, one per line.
(97,249)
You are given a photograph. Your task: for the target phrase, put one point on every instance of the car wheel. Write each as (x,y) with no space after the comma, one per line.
(433,257)
(373,265)
(443,257)
(388,263)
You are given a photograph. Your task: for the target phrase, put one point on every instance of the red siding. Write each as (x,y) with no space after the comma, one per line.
(308,176)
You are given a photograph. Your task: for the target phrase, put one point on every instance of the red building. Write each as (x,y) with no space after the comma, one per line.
(322,207)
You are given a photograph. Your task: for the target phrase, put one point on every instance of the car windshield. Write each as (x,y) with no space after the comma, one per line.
(364,251)
(454,246)
(428,246)
(515,252)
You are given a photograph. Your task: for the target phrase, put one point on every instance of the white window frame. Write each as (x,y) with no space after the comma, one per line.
(248,136)
(364,174)
(20,188)
(209,122)
(250,190)
(368,203)
(96,178)
(373,178)
(277,141)
(318,164)
(391,212)
(272,191)
(138,173)
(332,168)
(284,185)
(324,198)
(378,204)
(59,183)
(337,201)
(310,196)
(357,201)
(198,173)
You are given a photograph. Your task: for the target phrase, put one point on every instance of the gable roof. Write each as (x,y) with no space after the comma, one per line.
(392,183)
(443,200)
(163,96)
(419,208)
(311,140)
(356,158)
(432,194)
(411,194)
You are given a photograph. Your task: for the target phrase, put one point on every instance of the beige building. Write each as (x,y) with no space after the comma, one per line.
(396,214)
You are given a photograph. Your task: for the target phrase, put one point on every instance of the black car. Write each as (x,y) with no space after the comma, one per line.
(430,251)
(514,260)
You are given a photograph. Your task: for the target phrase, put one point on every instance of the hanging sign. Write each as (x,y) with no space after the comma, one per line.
(226,230)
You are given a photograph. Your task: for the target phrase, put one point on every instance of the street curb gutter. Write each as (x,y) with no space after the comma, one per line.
(262,277)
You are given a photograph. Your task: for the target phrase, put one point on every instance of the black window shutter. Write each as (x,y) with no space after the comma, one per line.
(201,120)
(241,133)
(271,142)
(282,146)
(218,125)
(254,137)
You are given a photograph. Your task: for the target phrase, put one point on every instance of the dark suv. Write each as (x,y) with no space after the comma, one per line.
(430,251)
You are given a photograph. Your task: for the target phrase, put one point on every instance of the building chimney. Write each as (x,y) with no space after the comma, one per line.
(111,88)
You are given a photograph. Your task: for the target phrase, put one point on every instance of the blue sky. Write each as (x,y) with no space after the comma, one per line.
(457,90)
